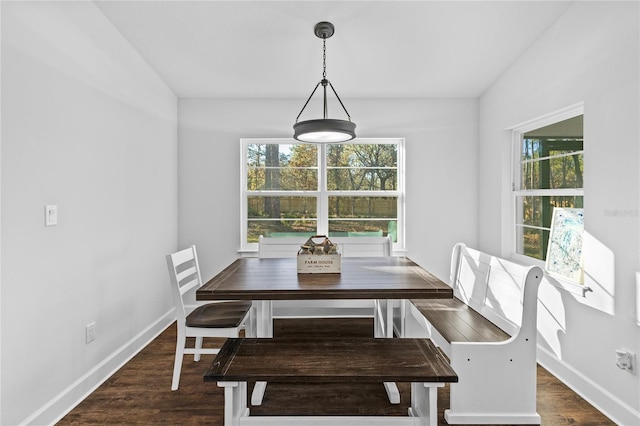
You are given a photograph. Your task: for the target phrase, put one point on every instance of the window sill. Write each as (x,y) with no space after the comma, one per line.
(558,282)
(574,288)
(254,253)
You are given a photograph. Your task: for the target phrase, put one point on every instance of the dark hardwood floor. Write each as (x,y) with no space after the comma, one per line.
(139,393)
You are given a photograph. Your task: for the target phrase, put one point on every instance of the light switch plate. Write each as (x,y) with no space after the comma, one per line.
(50,215)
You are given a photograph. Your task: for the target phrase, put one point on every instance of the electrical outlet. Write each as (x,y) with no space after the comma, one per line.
(90,332)
(626,360)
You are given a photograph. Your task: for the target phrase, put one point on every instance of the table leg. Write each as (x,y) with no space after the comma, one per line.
(379,318)
(264,318)
(264,327)
(389,329)
(403,316)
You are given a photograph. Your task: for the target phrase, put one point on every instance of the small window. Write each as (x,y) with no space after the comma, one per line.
(298,190)
(549,170)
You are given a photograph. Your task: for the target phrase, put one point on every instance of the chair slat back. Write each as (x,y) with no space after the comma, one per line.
(279,247)
(188,279)
(364,246)
(184,272)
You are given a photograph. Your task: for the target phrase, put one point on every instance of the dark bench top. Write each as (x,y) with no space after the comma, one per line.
(330,360)
(457,322)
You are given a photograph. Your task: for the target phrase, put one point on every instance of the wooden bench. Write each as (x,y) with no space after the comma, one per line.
(488,331)
(331,360)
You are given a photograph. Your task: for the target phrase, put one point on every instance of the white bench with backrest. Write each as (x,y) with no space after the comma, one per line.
(488,331)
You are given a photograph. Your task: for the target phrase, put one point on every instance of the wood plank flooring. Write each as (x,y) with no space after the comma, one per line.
(139,393)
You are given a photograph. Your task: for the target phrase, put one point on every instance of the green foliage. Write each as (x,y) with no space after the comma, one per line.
(350,167)
(358,167)
(552,163)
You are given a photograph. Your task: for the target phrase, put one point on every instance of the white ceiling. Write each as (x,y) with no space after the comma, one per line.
(255,49)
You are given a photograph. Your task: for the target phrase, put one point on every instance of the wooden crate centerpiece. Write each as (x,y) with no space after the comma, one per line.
(319,256)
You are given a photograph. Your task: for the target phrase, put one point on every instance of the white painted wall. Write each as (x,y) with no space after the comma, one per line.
(86,125)
(441,140)
(590,55)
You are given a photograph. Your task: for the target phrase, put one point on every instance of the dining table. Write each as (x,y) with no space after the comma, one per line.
(381,279)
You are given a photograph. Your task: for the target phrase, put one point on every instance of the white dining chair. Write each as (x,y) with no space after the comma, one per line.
(217,319)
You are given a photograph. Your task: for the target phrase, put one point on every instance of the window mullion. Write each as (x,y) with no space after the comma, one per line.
(323,199)
(560,192)
(361,193)
(552,157)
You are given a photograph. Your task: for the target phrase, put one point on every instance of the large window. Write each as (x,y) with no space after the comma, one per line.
(548,173)
(297,190)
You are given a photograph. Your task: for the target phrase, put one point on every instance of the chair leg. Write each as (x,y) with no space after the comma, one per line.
(177,365)
(196,355)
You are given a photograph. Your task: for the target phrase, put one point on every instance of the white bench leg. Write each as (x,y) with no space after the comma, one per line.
(235,402)
(392,392)
(424,402)
(258,393)
(424,406)
(383,328)
(423,410)
(264,329)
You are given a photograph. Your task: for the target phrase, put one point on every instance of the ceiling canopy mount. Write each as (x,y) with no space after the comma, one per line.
(324,30)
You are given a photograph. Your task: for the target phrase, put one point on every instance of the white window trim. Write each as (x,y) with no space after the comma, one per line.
(323,194)
(510,242)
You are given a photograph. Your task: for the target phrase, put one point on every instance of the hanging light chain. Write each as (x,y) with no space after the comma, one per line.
(324,58)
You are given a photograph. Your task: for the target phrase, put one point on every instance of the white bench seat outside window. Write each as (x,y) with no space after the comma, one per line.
(349,247)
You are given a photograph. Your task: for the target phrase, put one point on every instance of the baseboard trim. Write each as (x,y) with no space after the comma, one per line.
(69,398)
(604,401)
(454,418)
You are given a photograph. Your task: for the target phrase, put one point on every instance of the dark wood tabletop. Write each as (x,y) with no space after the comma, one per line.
(360,278)
(330,360)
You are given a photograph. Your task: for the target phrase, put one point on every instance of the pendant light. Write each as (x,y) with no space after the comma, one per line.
(324,130)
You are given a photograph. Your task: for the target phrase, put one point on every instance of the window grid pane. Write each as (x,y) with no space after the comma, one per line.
(551,163)
(281,207)
(360,197)
(362,167)
(282,167)
(550,169)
